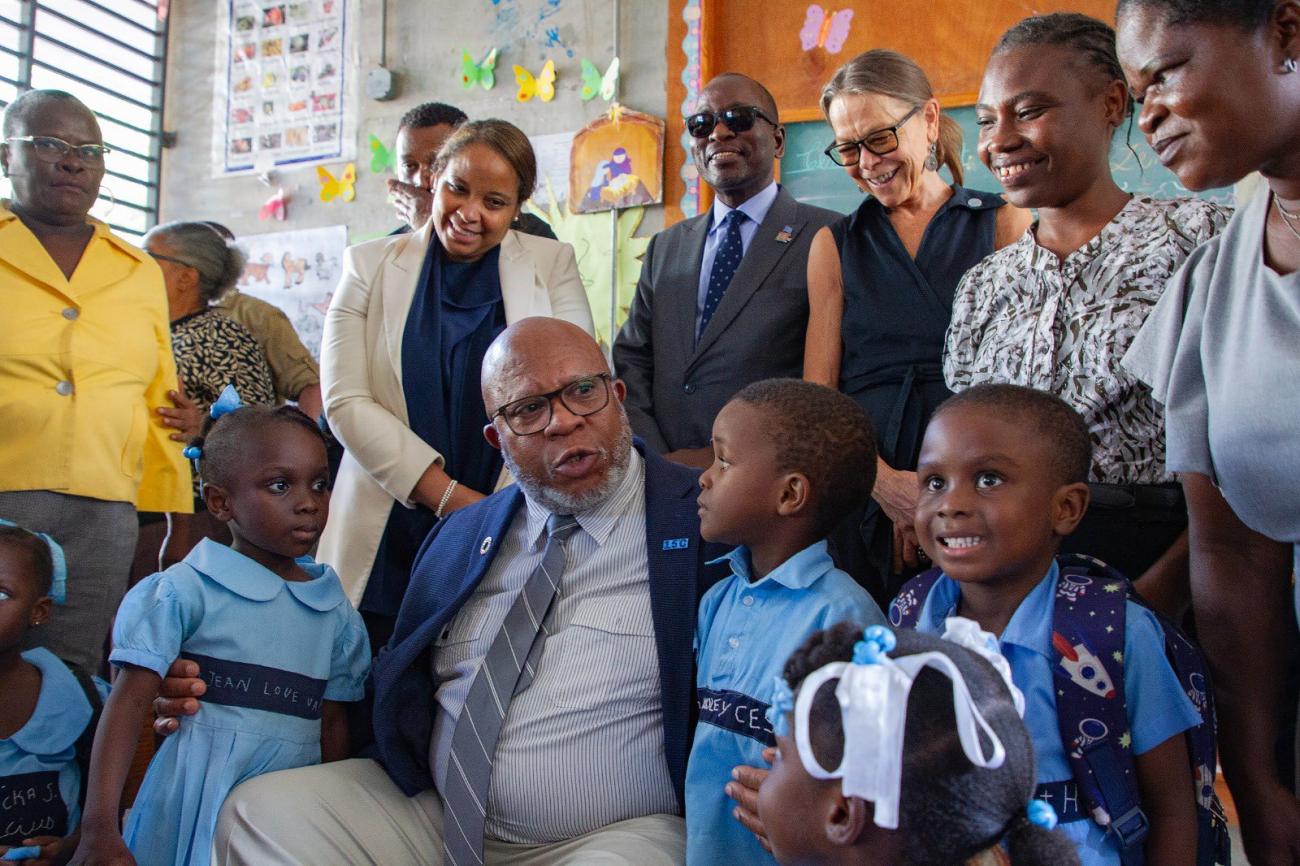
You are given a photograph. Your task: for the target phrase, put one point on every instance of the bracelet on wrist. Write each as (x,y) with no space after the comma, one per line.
(446,497)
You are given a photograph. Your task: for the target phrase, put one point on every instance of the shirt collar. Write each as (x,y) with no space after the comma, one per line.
(61,713)
(798,572)
(1029,627)
(101,232)
(599,520)
(755,207)
(239,574)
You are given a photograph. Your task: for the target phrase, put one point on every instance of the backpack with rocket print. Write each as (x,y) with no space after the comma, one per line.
(1088,621)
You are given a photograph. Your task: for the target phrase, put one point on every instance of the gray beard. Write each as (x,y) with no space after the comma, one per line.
(559,502)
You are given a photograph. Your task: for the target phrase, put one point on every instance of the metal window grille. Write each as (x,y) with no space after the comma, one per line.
(111,55)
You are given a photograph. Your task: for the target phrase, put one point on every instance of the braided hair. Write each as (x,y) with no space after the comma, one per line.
(950,810)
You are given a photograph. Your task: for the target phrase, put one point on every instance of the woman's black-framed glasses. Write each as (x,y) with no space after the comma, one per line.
(529,415)
(738,118)
(881,142)
(47,148)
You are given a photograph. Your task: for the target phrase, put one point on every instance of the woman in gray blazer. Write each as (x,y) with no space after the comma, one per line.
(404,338)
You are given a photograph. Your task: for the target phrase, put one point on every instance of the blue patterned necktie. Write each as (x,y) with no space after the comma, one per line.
(507,669)
(725,261)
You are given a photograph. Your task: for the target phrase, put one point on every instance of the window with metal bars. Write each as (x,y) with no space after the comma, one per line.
(111,55)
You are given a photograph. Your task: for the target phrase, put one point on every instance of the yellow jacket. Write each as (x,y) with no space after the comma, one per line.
(83,364)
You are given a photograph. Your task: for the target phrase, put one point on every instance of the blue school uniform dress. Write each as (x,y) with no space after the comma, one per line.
(269,650)
(40,782)
(746,632)
(1158,708)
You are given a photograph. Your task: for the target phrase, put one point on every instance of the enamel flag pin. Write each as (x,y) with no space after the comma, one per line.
(785,235)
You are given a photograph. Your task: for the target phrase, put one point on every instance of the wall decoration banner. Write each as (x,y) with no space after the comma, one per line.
(283,88)
(296,271)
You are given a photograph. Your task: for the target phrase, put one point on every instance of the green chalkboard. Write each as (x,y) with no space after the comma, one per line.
(812,178)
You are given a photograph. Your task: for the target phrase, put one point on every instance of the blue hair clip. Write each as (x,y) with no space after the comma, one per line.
(1041,814)
(227,401)
(877,642)
(59,579)
(781,707)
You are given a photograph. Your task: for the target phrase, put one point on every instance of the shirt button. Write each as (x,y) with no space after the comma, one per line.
(747,601)
(689,387)
(70,313)
(63,388)
(734,642)
(975,202)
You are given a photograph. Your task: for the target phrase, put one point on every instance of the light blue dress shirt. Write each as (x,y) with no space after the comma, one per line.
(1158,708)
(746,632)
(756,209)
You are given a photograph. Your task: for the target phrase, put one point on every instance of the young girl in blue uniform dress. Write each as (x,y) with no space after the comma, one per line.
(45,710)
(276,640)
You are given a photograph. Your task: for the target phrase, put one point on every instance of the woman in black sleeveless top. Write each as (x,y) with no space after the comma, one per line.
(881,284)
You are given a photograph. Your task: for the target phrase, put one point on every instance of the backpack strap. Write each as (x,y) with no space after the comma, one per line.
(86,740)
(1088,621)
(905,609)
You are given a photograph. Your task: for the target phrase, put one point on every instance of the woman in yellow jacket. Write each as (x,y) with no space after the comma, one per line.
(85,359)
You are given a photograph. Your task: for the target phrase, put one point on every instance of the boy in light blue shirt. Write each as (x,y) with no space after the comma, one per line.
(790,458)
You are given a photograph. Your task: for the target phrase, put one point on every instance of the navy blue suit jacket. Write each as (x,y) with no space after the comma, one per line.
(452,562)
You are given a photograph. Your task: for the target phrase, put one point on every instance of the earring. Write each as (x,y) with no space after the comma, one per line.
(932,158)
(1289,65)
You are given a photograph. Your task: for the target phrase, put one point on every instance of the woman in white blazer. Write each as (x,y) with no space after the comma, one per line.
(404,338)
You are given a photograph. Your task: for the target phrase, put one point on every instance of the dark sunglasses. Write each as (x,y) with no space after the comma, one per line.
(738,119)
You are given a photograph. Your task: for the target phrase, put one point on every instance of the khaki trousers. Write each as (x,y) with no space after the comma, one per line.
(350,812)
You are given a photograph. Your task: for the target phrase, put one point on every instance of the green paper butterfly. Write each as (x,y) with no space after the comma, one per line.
(593,82)
(472,73)
(381,158)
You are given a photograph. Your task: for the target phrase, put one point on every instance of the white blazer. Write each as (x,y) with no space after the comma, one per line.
(361,376)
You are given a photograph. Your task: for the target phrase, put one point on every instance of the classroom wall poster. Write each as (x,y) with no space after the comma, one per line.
(296,271)
(283,89)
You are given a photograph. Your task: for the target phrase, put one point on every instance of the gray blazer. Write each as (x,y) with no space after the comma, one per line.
(675,386)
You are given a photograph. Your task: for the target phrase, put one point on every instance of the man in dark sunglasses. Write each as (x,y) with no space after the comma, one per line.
(723,297)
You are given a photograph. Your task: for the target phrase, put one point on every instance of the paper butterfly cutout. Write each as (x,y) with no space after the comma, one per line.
(274,207)
(472,73)
(381,158)
(543,86)
(340,187)
(593,82)
(821,30)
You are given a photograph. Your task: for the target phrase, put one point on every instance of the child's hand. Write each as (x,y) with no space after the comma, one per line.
(744,790)
(103,851)
(177,696)
(54,850)
(1270,831)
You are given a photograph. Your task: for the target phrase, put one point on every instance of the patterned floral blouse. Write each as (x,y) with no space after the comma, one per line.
(1024,316)
(213,351)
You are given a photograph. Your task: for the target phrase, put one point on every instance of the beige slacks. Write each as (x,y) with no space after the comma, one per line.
(350,812)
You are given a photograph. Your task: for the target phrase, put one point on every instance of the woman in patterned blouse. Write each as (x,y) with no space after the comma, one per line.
(1058,309)
(212,351)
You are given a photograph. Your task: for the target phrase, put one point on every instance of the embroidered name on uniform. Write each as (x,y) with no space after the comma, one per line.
(676,543)
(736,712)
(255,687)
(31,805)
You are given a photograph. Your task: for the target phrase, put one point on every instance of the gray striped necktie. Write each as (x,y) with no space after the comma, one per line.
(507,668)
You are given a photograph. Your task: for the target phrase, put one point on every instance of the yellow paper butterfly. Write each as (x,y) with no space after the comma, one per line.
(340,187)
(593,82)
(543,86)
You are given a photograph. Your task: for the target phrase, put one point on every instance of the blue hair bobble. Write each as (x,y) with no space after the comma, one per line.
(877,642)
(1041,814)
(782,705)
(192,452)
(227,401)
(59,577)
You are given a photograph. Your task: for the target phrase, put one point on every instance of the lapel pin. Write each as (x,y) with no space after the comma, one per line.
(676,543)
(485,546)
(785,235)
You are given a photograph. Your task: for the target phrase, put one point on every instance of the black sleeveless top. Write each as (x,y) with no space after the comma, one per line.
(896,311)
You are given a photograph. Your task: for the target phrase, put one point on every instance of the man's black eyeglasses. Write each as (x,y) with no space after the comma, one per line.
(529,415)
(739,118)
(881,142)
